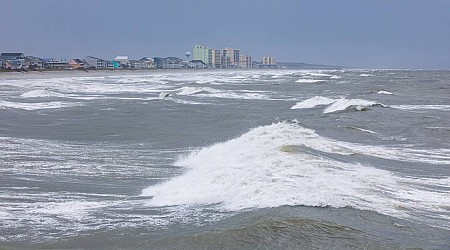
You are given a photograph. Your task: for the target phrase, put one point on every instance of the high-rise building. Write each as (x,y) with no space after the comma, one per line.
(202,53)
(267,60)
(236,57)
(216,58)
(224,58)
(233,57)
(245,62)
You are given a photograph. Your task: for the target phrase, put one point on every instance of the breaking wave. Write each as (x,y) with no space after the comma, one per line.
(335,104)
(272,166)
(313,102)
(216,93)
(343,104)
(384,92)
(41,93)
(36,106)
(422,107)
(309,81)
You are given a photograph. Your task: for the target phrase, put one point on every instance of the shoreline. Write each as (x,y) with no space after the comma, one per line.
(7,75)
(80,73)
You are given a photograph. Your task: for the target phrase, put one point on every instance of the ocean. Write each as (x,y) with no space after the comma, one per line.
(223,159)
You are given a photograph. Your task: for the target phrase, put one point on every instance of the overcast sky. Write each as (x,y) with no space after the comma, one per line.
(361,33)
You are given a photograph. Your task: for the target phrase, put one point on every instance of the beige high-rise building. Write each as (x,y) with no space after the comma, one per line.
(245,62)
(232,56)
(216,61)
(268,60)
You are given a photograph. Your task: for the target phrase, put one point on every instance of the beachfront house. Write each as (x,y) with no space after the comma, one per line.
(99,63)
(197,64)
(15,60)
(123,60)
(56,64)
(135,64)
(77,64)
(168,63)
(149,63)
(33,62)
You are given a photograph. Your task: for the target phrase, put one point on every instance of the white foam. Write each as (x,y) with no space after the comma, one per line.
(267,168)
(422,107)
(216,93)
(309,81)
(316,74)
(72,210)
(36,106)
(163,95)
(234,95)
(365,130)
(313,102)
(365,75)
(335,104)
(41,93)
(194,90)
(187,102)
(384,92)
(342,104)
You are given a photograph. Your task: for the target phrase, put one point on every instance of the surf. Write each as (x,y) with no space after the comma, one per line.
(268,167)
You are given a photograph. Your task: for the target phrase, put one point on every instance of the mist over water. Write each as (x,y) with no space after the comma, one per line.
(225,159)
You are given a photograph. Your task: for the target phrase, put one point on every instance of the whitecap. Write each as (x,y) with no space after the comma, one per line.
(384,92)
(40,93)
(335,104)
(36,106)
(163,95)
(194,90)
(313,102)
(267,167)
(309,81)
(422,107)
(342,104)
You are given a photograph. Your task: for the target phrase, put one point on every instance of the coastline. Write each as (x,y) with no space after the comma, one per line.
(6,75)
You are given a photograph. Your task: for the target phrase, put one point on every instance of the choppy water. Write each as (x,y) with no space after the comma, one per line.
(226,159)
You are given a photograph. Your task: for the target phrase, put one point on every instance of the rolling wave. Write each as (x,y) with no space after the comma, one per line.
(267,168)
(335,104)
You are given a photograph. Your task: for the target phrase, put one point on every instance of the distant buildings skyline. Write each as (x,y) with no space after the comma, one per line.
(229,58)
(202,57)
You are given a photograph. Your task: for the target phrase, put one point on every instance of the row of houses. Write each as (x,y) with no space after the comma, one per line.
(20,61)
(204,57)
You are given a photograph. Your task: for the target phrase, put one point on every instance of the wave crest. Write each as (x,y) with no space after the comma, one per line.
(267,167)
(335,104)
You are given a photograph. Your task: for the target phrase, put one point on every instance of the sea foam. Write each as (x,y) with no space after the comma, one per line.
(342,104)
(41,93)
(313,102)
(335,104)
(384,92)
(309,80)
(36,106)
(422,107)
(267,167)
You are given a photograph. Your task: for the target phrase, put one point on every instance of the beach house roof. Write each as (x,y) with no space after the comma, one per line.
(12,55)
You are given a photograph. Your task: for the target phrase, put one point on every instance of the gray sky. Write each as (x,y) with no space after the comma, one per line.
(364,33)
